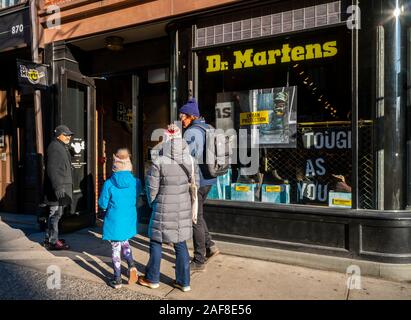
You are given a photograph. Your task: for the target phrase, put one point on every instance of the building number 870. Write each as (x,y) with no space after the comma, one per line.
(17,29)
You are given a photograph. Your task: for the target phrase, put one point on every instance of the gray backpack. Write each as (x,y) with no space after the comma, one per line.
(216,158)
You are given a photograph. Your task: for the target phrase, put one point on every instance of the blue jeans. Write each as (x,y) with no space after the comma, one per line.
(182,263)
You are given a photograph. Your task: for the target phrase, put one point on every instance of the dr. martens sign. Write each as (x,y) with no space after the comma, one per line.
(250,57)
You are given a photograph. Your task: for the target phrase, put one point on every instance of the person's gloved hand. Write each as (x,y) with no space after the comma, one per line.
(60,194)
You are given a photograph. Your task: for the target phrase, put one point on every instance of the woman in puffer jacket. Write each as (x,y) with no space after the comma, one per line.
(167,188)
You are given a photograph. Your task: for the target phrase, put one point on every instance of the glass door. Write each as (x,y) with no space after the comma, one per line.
(78,113)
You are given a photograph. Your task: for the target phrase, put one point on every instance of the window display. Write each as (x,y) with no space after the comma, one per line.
(296,115)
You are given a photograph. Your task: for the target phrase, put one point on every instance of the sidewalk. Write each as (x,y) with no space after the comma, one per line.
(226,277)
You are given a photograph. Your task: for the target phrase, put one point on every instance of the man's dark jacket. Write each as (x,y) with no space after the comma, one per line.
(58,174)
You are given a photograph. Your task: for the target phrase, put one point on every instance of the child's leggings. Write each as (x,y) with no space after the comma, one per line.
(117,248)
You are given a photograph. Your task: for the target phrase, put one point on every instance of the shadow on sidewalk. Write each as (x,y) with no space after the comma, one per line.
(93,254)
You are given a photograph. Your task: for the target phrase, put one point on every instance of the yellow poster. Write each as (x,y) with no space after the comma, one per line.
(253,118)
(273,189)
(342,202)
(242,188)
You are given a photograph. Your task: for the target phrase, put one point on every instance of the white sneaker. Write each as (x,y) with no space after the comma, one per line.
(184,289)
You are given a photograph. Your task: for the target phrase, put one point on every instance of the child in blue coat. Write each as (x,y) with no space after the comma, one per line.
(119,198)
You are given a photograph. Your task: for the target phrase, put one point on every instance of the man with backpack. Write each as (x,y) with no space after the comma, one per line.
(195,135)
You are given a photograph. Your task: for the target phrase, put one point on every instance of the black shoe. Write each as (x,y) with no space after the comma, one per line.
(197,267)
(211,252)
(46,241)
(115,283)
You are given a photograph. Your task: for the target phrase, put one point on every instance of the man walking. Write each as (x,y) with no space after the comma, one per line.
(195,135)
(58,184)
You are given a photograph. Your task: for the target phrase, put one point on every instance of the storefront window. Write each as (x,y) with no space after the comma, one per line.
(292,97)
(9,3)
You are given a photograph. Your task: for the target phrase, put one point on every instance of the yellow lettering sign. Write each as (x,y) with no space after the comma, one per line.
(214,63)
(260,58)
(330,49)
(253,118)
(242,188)
(298,53)
(248,58)
(243,60)
(273,189)
(342,202)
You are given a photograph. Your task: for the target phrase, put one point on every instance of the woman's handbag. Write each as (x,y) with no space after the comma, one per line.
(193,189)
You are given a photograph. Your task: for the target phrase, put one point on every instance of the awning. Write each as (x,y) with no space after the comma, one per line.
(15,29)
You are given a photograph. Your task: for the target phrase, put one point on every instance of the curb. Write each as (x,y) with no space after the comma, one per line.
(393,272)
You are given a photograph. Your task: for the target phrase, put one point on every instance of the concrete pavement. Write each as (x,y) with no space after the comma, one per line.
(226,277)
(24,283)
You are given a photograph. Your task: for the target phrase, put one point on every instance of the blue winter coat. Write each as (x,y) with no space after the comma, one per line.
(119,198)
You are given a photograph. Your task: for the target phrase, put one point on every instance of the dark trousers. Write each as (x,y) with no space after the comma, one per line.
(56,212)
(201,237)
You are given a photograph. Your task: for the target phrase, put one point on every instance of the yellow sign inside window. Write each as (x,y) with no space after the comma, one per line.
(273,189)
(253,118)
(342,202)
(242,188)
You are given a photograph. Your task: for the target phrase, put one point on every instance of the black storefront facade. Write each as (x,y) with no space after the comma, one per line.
(349,118)
(328,96)
(108,98)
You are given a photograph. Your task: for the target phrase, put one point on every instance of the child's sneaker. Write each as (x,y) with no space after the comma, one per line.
(146,283)
(132,275)
(115,283)
(182,288)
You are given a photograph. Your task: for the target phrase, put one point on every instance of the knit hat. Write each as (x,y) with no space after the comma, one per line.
(172,132)
(121,161)
(190,108)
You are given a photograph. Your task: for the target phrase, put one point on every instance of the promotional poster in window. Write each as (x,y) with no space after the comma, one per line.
(276,111)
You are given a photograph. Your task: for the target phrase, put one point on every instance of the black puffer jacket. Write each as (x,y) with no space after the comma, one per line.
(59,174)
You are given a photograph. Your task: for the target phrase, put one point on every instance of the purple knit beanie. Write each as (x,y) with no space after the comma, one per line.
(190,108)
